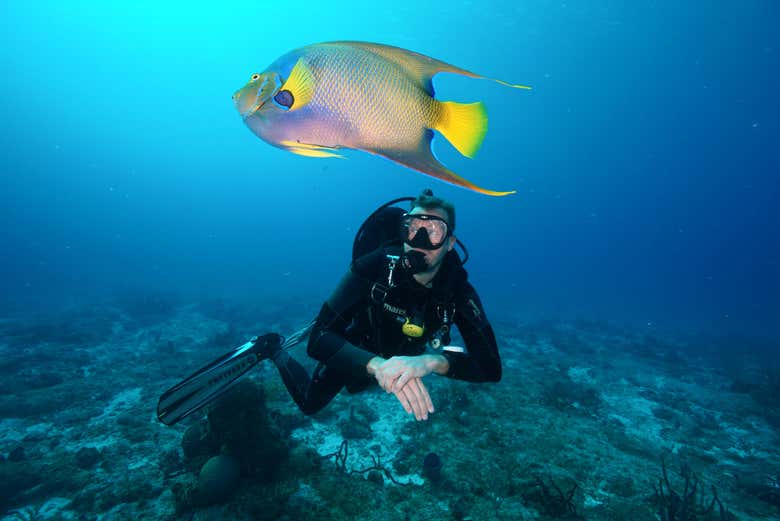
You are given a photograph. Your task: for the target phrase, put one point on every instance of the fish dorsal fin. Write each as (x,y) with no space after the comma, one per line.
(421,67)
(300,84)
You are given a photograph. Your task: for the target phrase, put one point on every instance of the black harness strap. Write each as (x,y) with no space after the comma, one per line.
(445,307)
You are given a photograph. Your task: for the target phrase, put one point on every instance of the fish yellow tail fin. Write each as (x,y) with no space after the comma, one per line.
(464,125)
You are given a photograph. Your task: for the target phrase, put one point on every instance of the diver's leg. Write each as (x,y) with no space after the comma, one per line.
(310,394)
(325,385)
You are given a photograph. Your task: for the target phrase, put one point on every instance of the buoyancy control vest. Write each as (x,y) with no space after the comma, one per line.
(381,230)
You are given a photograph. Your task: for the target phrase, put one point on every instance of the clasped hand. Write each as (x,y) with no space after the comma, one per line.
(402,376)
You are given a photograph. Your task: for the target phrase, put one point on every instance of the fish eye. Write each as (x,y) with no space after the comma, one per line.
(284,98)
(255,77)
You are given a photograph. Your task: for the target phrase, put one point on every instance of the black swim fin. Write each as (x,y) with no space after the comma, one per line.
(212,380)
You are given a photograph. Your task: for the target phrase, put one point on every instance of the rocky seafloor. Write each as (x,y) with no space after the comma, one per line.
(591,421)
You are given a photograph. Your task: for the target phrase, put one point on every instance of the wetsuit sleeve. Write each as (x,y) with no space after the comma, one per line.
(327,343)
(481,361)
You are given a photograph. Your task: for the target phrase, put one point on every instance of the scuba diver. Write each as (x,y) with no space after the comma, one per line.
(388,322)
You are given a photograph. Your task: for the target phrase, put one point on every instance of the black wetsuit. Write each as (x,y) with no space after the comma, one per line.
(352,327)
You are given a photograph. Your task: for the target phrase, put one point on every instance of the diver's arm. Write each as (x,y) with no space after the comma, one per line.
(481,361)
(394,373)
(438,364)
(327,343)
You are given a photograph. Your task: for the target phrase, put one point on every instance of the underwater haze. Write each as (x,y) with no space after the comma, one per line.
(644,158)
(144,230)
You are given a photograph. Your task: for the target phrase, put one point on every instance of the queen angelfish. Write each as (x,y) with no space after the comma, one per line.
(317,99)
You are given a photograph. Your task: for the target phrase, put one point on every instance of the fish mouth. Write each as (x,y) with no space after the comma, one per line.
(242,100)
(252,97)
(251,112)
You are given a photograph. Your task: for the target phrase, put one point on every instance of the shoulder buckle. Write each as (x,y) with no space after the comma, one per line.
(379,291)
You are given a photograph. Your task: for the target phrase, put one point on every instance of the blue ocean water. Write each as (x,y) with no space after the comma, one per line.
(144,230)
(644,157)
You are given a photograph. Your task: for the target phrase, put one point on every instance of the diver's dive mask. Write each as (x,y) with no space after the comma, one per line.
(424,231)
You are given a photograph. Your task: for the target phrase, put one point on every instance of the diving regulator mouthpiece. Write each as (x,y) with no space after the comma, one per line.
(414,261)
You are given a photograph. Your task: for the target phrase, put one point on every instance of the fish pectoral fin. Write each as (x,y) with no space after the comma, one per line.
(309,150)
(422,67)
(300,84)
(423,160)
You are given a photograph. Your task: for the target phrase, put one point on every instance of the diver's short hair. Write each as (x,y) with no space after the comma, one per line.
(426,200)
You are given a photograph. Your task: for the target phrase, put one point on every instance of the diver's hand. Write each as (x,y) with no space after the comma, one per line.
(413,395)
(389,372)
(393,374)
(385,371)
(415,399)
(419,366)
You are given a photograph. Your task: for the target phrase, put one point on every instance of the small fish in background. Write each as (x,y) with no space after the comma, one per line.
(317,99)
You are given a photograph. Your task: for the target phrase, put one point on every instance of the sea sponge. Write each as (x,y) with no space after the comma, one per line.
(432,465)
(196,442)
(218,479)
(238,423)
